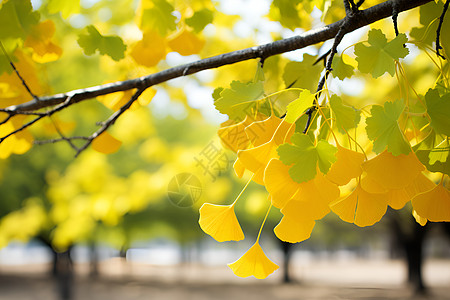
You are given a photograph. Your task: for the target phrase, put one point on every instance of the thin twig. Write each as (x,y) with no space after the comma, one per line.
(438,31)
(395,16)
(17,73)
(110,121)
(52,141)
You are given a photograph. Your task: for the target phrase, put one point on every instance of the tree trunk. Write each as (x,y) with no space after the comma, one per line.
(287,251)
(64,274)
(410,237)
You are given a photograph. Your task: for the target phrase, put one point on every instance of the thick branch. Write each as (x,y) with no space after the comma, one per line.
(311,37)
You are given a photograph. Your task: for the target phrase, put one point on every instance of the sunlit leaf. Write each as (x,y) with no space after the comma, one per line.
(292,230)
(200,19)
(112,46)
(185,42)
(253,263)
(220,222)
(239,99)
(346,116)
(438,108)
(379,57)
(383,128)
(433,205)
(157,16)
(150,50)
(305,157)
(302,74)
(297,107)
(106,143)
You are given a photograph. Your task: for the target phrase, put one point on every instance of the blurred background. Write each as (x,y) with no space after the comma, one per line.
(115,226)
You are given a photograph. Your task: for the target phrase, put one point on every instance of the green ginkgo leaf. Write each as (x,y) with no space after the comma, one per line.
(340,69)
(305,157)
(112,46)
(302,74)
(380,56)
(438,108)
(346,116)
(239,99)
(159,18)
(200,19)
(383,128)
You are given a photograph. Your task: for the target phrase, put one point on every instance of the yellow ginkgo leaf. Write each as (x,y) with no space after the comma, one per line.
(256,159)
(398,198)
(18,143)
(419,219)
(312,200)
(346,167)
(279,183)
(44,50)
(371,186)
(393,172)
(150,50)
(115,101)
(233,136)
(253,262)
(260,132)
(433,205)
(186,42)
(220,222)
(292,230)
(106,143)
(360,207)
(239,168)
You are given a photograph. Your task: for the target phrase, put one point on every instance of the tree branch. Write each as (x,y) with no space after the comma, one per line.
(364,17)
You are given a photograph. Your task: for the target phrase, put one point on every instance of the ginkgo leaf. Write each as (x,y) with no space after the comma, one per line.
(279,183)
(360,207)
(340,69)
(312,200)
(438,108)
(379,56)
(424,151)
(106,143)
(292,230)
(253,263)
(256,159)
(302,74)
(112,45)
(383,128)
(18,143)
(440,153)
(40,40)
(150,50)
(239,168)
(200,19)
(185,42)
(433,205)
(17,18)
(419,219)
(297,107)
(398,198)
(285,11)
(157,15)
(346,116)
(237,100)
(305,157)
(66,8)
(220,222)
(260,132)
(233,137)
(393,172)
(347,166)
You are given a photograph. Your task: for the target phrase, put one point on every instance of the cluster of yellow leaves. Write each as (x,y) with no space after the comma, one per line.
(374,184)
